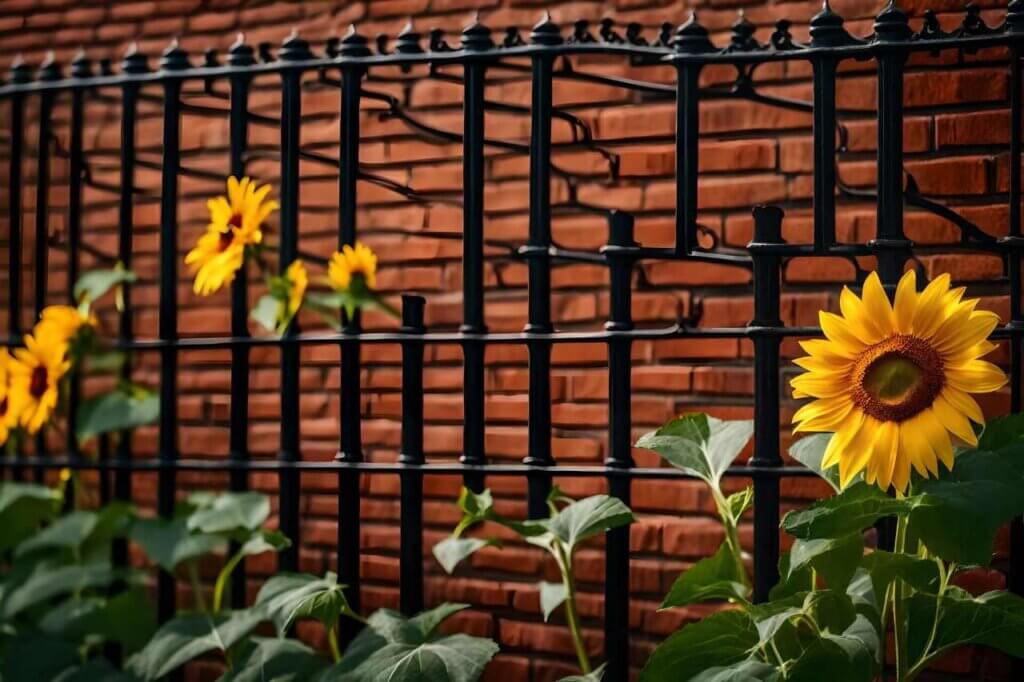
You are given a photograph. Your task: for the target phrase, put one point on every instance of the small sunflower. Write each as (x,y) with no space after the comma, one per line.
(235,222)
(35,378)
(352,268)
(8,417)
(297,279)
(63,322)
(892,381)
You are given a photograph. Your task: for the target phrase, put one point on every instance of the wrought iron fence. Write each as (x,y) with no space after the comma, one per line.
(689,50)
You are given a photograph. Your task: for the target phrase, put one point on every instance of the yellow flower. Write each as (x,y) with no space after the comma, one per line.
(892,381)
(235,222)
(8,417)
(348,263)
(35,375)
(62,322)
(297,280)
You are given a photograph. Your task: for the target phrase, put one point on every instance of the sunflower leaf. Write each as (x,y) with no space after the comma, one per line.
(716,577)
(123,408)
(721,640)
(852,510)
(834,558)
(810,451)
(994,619)
(93,284)
(700,445)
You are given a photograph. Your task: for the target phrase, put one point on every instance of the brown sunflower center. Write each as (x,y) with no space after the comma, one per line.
(228,234)
(37,384)
(897,378)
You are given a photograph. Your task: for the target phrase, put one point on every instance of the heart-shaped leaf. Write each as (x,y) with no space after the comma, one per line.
(455,658)
(722,639)
(716,577)
(851,511)
(586,518)
(551,597)
(47,581)
(810,451)
(700,445)
(118,410)
(451,551)
(168,542)
(189,636)
(275,660)
(994,619)
(834,558)
(231,513)
(23,508)
(289,597)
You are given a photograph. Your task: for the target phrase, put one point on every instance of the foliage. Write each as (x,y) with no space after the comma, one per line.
(560,534)
(836,603)
(63,605)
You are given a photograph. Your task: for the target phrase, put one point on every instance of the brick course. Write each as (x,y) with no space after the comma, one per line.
(955,139)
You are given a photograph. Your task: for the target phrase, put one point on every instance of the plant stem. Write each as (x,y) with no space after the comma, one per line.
(899,625)
(732,537)
(332,642)
(571,616)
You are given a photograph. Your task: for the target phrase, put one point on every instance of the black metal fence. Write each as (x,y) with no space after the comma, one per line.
(689,50)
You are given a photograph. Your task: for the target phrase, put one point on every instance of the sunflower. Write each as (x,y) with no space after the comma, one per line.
(297,280)
(8,417)
(892,381)
(62,322)
(352,266)
(235,222)
(35,376)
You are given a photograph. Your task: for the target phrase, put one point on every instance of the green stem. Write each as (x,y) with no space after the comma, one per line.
(899,625)
(197,588)
(222,580)
(927,655)
(571,615)
(732,536)
(332,642)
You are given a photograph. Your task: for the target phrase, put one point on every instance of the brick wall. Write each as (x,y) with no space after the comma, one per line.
(956,136)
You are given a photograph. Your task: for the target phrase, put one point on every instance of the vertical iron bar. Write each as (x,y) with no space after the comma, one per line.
(239,54)
(19,74)
(824,127)
(40,267)
(620,254)
(767,293)
(539,319)
(411,562)
(80,68)
(349,522)
(134,62)
(473,271)
(291,109)
(687,155)
(173,58)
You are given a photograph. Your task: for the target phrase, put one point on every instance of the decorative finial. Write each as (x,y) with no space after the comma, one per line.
(241,54)
(21,72)
(892,25)
(174,58)
(134,61)
(692,37)
(545,31)
(354,44)
(1015,16)
(827,28)
(476,37)
(294,48)
(49,70)
(742,34)
(81,65)
(408,41)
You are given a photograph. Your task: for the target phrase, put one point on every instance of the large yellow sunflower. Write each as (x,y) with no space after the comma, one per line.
(892,381)
(35,378)
(235,222)
(8,417)
(346,264)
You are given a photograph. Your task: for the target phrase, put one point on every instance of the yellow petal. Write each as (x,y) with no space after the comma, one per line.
(977,376)
(906,302)
(954,421)
(837,331)
(963,403)
(877,306)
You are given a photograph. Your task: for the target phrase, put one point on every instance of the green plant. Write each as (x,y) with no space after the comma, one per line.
(836,602)
(62,603)
(560,535)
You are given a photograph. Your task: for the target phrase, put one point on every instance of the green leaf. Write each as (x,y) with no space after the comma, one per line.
(834,558)
(275,660)
(23,508)
(712,578)
(994,619)
(551,597)
(810,451)
(700,445)
(455,658)
(750,670)
(791,581)
(47,581)
(739,502)
(848,657)
(78,528)
(885,567)
(720,640)
(118,410)
(852,510)
(168,542)
(964,509)
(286,598)
(95,670)
(1002,432)
(127,618)
(231,513)
(93,284)
(588,517)
(451,551)
(265,312)
(189,636)
(32,658)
